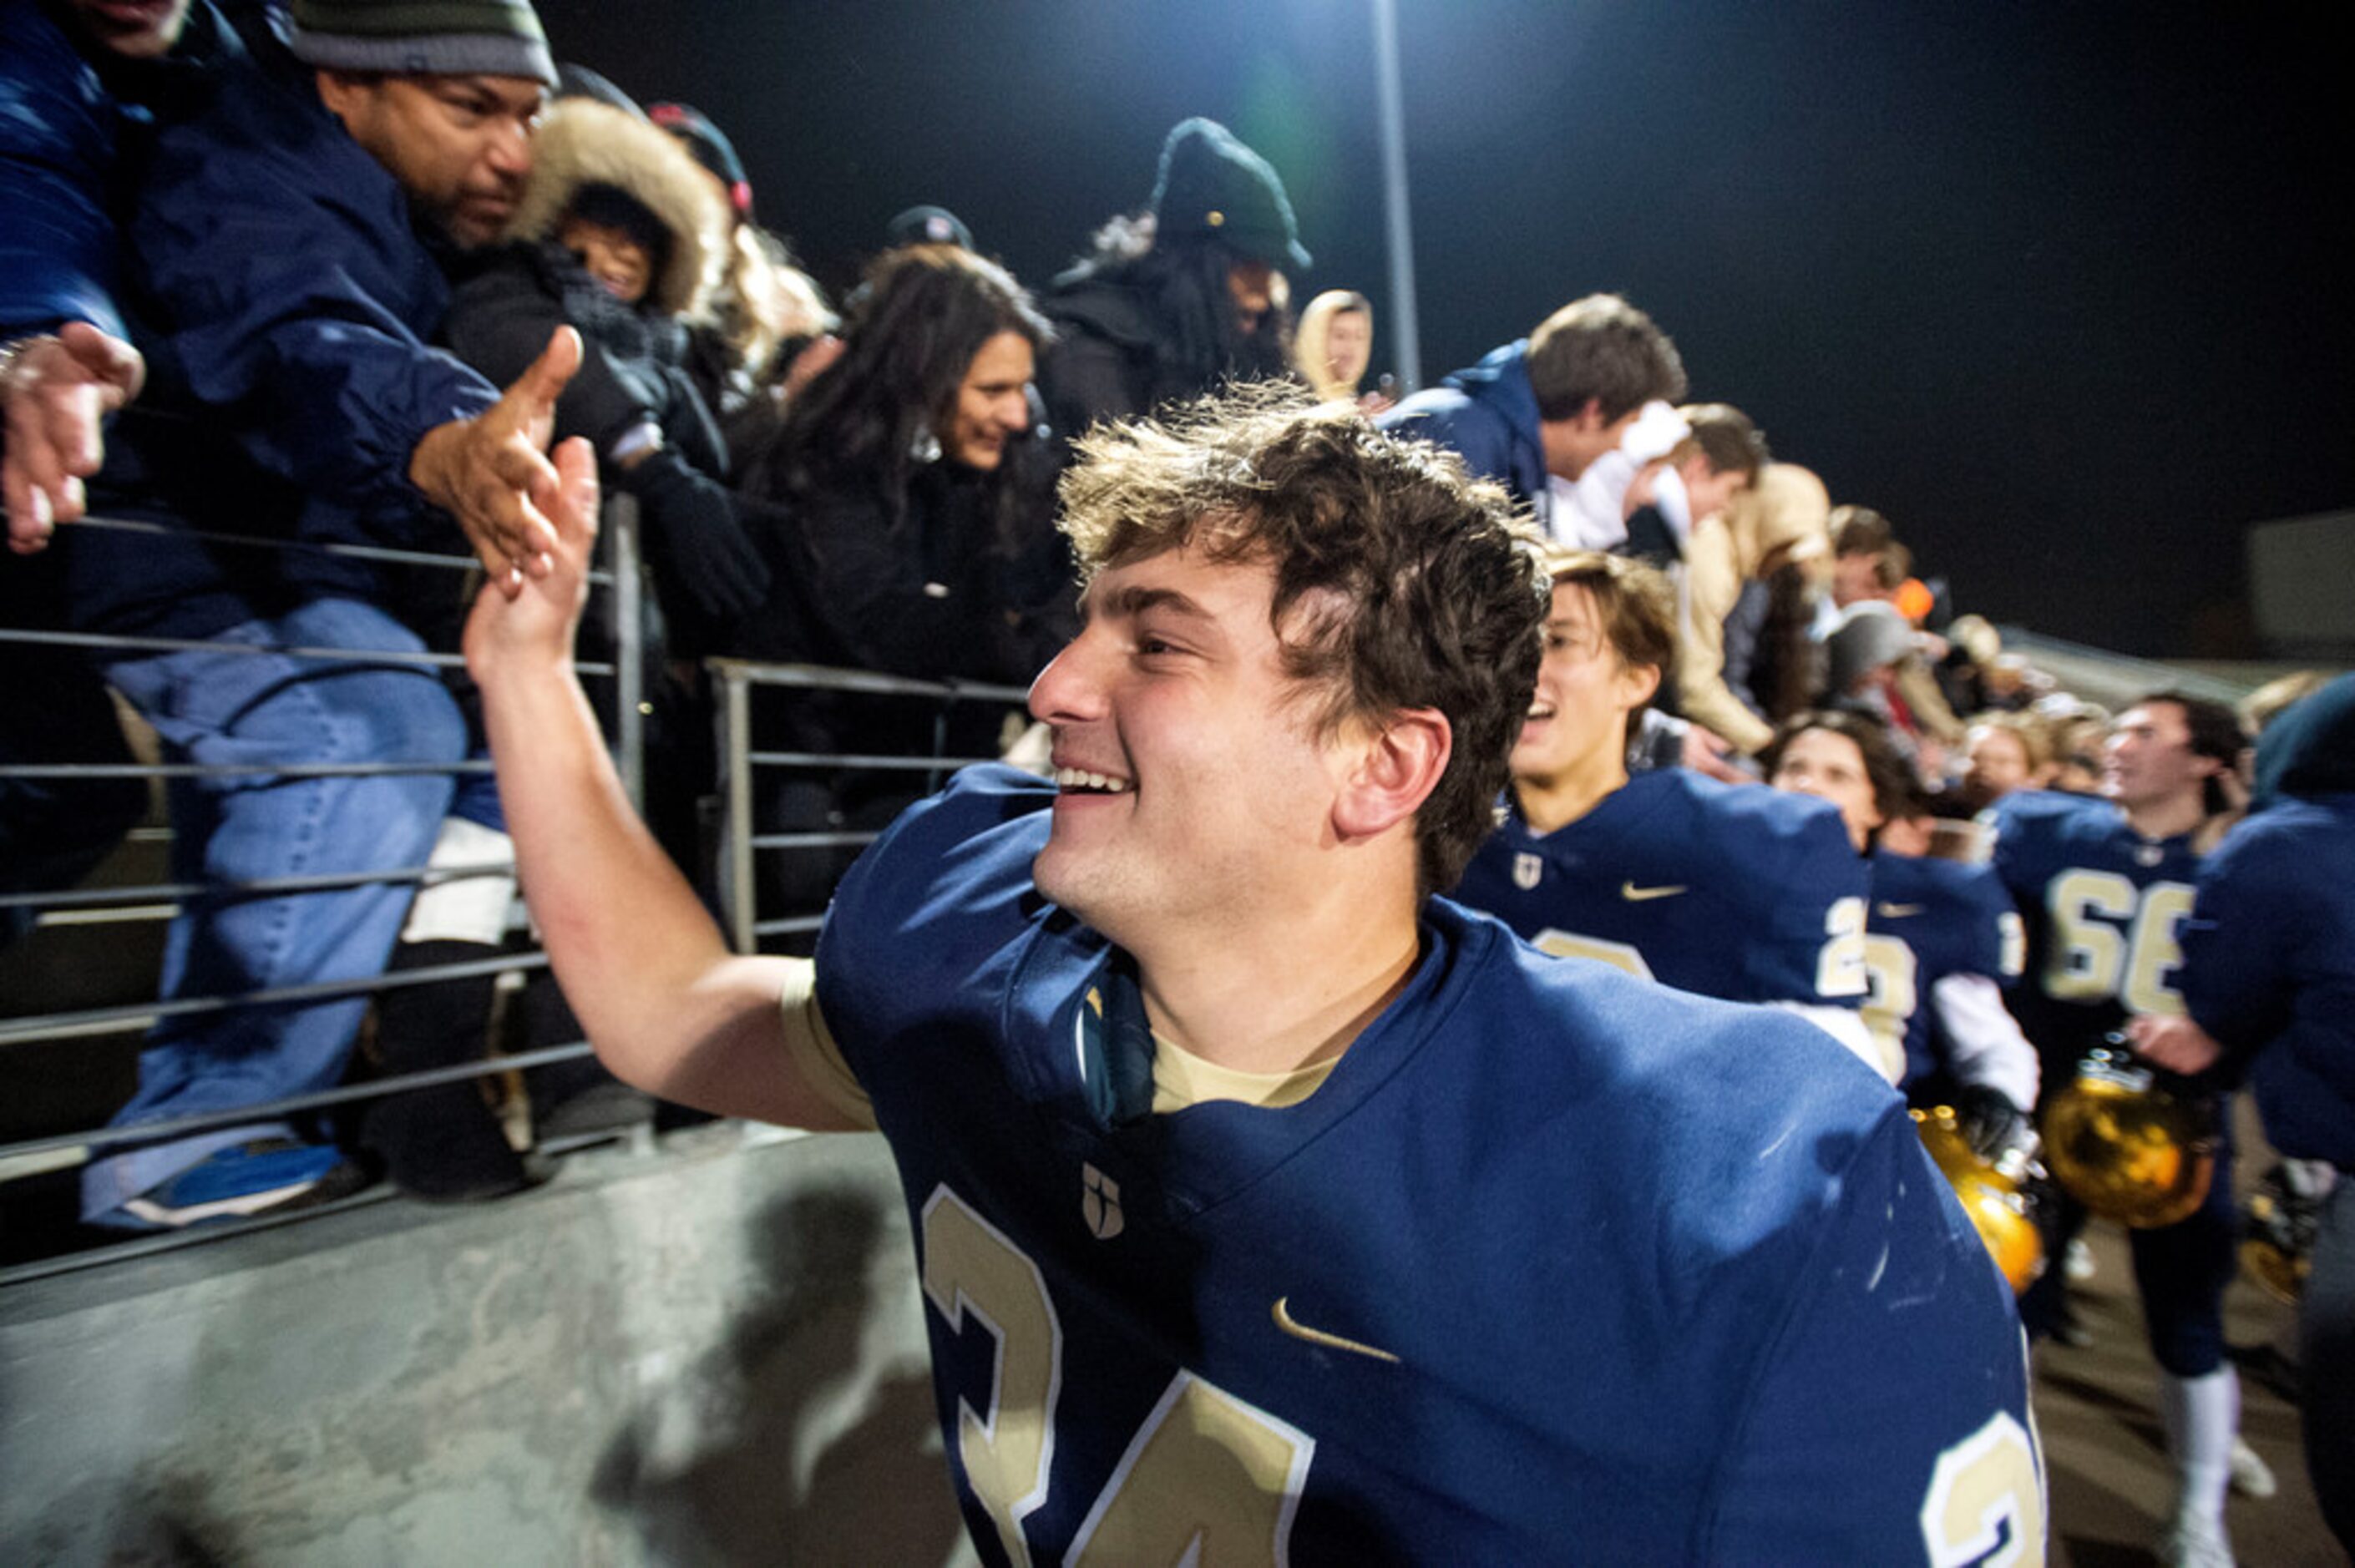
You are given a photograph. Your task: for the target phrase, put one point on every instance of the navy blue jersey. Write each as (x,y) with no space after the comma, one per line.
(1932,919)
(2269,967)
(1554,1267)
(1731,891)
(2103,906)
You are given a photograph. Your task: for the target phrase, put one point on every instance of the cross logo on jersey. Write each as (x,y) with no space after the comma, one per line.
(1526,869)
(1100,1202)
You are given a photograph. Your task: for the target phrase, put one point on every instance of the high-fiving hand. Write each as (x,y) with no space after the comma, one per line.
(490,473)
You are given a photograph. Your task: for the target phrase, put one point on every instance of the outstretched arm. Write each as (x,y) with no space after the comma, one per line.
(667,1006)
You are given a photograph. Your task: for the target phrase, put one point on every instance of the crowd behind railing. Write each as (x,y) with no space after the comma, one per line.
(305,311)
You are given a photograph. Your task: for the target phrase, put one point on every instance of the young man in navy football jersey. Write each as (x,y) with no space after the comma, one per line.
(2103,885)
(2269,982)
(1942,941)
(1723,890)
(1270,1208)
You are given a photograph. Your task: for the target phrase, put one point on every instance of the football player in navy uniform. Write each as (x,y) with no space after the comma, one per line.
(1270,1208)
(2269,980)
(1725,890)
(1941,943)
(2103,885)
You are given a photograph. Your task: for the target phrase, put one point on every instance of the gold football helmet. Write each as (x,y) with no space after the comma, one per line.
(2128,1150)
(2277,1229)
(1993,1195)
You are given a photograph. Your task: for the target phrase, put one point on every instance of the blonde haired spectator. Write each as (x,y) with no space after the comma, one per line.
(1333,346)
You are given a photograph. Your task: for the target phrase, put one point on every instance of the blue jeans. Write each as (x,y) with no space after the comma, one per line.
(216,706)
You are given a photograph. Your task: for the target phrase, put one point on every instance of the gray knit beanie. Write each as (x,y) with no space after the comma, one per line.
(423,37)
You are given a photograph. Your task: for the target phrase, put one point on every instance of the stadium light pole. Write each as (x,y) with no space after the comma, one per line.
(1400,227)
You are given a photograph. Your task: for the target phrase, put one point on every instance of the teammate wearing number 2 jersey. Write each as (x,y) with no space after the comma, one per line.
(1271,1209)
(1723,890)
(2104,885)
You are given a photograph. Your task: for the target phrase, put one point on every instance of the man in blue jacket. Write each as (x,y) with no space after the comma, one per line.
(292,229)
(1547,406)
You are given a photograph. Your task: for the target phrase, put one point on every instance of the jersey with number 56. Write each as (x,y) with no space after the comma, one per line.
(2104,907)
(1554,1265)
(1739,893)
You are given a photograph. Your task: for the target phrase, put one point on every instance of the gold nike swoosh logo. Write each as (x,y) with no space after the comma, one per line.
(1635,895)
(1899,911)
(1284,1320)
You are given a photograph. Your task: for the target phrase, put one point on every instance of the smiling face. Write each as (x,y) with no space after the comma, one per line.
(1584,693)
(1192,779)
(1830,767)
(621,266)
(460,145)
(993,401)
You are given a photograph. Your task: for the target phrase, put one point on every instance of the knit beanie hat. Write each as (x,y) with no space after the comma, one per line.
(423,37)
(1210,184)
(710,147)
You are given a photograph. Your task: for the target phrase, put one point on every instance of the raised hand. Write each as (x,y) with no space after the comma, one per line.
(526,629)
(490,471)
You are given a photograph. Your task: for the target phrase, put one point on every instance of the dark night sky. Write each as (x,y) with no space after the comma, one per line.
(2049,285)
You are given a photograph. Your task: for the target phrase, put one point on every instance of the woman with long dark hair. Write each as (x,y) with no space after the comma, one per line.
(910,531)
(916,519)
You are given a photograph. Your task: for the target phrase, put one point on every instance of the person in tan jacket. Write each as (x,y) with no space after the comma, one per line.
(1779,519)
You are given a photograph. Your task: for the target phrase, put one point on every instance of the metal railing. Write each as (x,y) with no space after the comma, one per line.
(625,621)
(734,680)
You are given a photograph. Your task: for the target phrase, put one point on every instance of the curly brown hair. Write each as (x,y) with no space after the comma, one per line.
(1400,582)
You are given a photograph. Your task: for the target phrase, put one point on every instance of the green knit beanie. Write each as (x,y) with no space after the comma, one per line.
(1212,185)
(423,37)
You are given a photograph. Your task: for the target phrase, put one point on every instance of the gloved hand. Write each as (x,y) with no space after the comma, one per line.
(1988,1120)
(693,537)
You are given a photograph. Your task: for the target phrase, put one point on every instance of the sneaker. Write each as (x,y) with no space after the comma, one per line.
(2193,1542)
(2252,1477)
(2079,1265)
(267,1176)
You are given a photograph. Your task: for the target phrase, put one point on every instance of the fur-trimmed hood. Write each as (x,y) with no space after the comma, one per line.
(581,143)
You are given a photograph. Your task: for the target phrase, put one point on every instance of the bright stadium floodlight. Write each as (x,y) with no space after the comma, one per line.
(1400,227)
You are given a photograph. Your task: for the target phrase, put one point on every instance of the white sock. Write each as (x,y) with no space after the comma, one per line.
(2202,1414)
